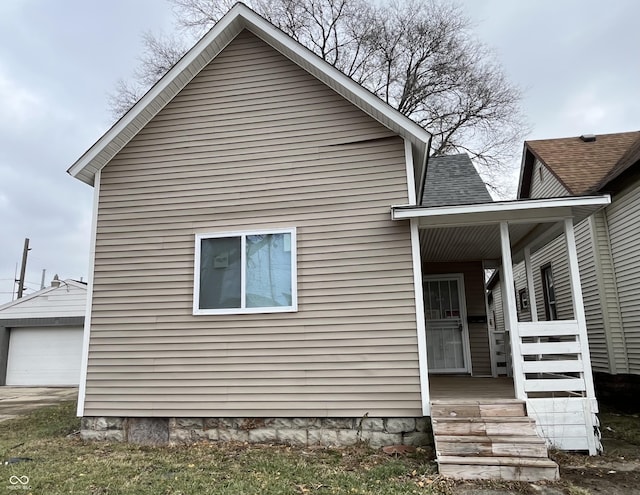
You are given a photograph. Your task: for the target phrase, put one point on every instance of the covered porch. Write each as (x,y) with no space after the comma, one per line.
(549,361)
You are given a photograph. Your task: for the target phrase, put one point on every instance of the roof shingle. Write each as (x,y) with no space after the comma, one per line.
(453,180)
(583,166)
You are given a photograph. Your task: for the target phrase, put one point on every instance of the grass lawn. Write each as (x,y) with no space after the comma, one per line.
(62,464)
(65,464)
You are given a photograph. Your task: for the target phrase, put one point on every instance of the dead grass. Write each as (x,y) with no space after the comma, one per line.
(62,463)
(620,426)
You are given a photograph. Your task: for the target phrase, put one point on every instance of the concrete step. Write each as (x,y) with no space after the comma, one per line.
(482,445)
(505,468)
(476,408)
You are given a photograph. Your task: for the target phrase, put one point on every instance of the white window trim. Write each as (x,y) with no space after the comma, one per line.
(243,310)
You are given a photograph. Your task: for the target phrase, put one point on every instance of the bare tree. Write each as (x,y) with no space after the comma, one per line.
(420,56)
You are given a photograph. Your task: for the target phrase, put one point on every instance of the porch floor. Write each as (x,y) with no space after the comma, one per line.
(444,387)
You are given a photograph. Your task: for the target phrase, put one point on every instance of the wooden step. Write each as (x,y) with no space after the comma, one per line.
(506,468)
(477,408)
(465,445)
(483,426)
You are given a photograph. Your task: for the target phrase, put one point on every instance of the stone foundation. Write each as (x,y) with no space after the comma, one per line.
(326,432)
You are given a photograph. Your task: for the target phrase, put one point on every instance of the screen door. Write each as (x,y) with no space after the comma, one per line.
(447,338)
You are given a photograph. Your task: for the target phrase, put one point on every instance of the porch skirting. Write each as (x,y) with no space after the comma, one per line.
(327,432)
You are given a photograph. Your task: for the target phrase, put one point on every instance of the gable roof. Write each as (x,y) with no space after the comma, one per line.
(580,166)
(453,180)
(25,304)
(241,17)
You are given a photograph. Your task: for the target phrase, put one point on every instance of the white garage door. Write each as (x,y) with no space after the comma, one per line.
(44,356)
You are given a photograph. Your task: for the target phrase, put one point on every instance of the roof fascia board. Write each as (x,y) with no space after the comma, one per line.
(400,212)
(42,292)
(238,18)
(529,211)
(158,88)
(73,283)
(268,31)
(537,157)
(27,298)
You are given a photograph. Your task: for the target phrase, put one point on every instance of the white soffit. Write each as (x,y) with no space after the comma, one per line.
(470,232)
(238,18)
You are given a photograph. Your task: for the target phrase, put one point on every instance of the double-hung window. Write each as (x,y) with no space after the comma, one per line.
(245,272)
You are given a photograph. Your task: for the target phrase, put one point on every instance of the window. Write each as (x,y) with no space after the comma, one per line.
(245,272)
(523,297)
(549,293)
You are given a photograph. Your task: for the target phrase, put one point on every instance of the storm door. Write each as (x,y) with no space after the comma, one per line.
(446,324)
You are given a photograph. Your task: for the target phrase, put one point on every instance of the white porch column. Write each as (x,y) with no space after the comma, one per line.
(511,312)
(578,305)
(533,305)
(420,318)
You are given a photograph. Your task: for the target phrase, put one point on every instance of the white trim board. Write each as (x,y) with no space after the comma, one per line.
(535,210)
(82,388)
(243,309)
(420,318)
(241,17)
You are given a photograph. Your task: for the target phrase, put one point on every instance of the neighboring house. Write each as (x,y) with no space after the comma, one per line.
(608,246)
(41,336)
(265,230)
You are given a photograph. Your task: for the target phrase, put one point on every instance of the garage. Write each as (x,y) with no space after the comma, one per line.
(41,336)
(44,356)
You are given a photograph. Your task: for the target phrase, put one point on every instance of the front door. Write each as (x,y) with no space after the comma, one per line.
(447,334)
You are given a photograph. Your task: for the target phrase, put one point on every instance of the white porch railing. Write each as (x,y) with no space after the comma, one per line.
(557,383)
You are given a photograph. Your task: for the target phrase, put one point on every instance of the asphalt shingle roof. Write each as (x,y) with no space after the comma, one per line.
(583,166)
(453,180)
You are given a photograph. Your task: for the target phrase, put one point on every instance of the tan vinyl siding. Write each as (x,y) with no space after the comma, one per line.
(474,294)
(622,217)
(544,184)
(254,142)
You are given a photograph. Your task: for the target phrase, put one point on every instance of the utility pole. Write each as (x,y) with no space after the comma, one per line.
(23,268)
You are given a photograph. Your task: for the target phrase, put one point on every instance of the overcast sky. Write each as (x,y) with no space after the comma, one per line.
(576,60)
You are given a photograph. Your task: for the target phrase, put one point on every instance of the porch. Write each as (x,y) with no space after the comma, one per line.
(549,360)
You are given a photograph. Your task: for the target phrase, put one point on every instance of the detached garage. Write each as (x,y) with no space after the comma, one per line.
(41,336)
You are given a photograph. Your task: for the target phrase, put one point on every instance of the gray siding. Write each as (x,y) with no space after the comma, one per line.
(498,307)
(255,142)
(555,253)
(591,296)
(624,231)
(599,291)
(544,184)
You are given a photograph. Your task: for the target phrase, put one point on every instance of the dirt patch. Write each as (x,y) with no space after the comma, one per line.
(615,472)
(602,480)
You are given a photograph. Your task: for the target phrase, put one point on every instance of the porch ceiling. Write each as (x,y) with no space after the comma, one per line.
(472,232)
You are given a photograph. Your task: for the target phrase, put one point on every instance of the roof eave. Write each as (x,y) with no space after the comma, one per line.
(224,31)
(530,210)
